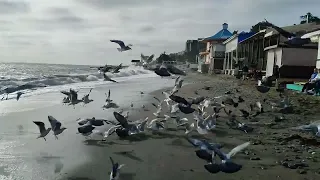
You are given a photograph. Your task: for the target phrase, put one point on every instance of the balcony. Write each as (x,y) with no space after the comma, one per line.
(218,54)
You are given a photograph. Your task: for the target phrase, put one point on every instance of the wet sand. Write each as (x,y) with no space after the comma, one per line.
(167,155)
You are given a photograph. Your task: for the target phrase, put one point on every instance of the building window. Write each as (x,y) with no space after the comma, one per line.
(273,40)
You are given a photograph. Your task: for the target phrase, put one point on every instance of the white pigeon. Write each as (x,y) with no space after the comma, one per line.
(159,110)
(56,126)
(110,131)
(43,131)
(234,151)
(167,98)
(174,109)
(189,127)
(201,125)
(155,124)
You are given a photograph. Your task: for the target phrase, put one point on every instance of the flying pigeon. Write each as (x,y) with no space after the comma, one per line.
(123,47)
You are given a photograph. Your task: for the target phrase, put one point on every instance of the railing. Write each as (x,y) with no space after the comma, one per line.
(218,54)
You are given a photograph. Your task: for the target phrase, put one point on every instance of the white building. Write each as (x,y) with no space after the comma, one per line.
(315,37)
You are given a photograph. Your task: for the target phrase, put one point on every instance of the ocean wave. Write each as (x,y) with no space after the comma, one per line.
(11,85)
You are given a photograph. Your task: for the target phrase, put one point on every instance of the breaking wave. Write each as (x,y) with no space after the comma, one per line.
(10,85)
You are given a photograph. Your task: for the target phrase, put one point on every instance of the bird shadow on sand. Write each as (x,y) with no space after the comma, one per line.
(164,135)
(220,132)
(129,154)
(180,142)
(79,178)
(99,143)
(136,137)
(127,176)
(173,129)
(91,142)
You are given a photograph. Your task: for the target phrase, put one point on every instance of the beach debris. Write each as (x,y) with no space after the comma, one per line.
(115,171)
(56,126)
(43,131)
(123,47)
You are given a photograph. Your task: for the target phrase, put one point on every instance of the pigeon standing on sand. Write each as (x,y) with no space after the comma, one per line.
(56,126)
(43,131)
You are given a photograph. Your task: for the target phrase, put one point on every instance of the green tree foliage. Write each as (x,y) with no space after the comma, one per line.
(309,18)
(259,26)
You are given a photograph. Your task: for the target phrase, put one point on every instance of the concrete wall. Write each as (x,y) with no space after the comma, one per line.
(274,57)
(207,60)
(218,47)
(232,45)
(299,57)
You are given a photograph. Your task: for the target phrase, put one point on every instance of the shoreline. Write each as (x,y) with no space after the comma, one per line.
(167,155)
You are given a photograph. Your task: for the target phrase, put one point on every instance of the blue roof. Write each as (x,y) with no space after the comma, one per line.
(244,35)
(222,34)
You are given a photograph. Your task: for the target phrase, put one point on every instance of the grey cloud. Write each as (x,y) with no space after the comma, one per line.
(112,4)
(10,7)
(60,18)
(147,29)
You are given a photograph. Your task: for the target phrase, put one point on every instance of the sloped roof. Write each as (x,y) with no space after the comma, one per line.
(222,34)
(299,29)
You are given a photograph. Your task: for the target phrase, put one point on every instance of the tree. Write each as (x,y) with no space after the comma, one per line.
(309,18)
(259,26)
(163,57)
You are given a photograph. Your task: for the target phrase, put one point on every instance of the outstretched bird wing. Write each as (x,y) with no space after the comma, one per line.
(55,124)
(237,149)
(121,43)
(40,125)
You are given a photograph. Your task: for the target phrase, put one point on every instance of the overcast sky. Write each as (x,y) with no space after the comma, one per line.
(79,31)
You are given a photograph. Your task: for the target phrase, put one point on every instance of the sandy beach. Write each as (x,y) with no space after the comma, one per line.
(167,155)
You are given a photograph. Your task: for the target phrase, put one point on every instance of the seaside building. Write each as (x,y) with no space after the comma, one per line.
(251,51)
(215,50)
(192,50)
(232,51)
(294,61)
(315,37)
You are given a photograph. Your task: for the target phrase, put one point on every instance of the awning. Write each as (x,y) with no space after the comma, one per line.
(204,53)
(268,34)
(311,35)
